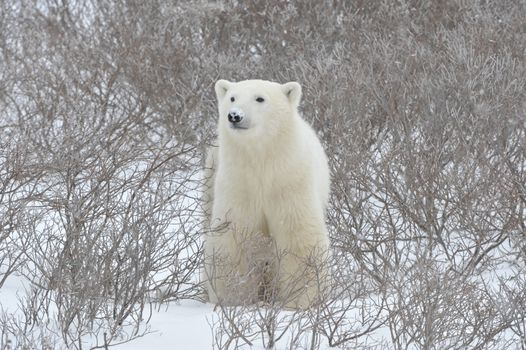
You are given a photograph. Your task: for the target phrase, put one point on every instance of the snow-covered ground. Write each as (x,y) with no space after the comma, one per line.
(177,326)
(183,325)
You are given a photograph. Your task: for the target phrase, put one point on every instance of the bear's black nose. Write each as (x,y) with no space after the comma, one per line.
(234,117)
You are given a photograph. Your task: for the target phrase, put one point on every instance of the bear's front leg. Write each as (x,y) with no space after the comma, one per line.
(221,255)
(303,250)
(232,248)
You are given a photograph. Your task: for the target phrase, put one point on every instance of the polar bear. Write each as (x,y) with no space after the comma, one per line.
(268,190)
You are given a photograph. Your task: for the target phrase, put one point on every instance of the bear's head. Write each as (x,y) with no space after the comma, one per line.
(250,108)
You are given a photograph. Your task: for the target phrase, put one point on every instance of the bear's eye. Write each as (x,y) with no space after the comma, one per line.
(232,99)
(260,99)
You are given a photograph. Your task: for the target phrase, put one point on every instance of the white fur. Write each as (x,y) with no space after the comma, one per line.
(269,179)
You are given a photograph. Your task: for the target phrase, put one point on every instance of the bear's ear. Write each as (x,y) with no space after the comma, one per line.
(293,92)
(221,88)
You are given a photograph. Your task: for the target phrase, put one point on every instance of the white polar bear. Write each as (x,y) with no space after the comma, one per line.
(268,186)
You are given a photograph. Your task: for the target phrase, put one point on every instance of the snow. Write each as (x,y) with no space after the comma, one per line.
(8,294)
(177,326)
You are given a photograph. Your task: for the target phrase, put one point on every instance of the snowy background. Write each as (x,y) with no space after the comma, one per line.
(107,108)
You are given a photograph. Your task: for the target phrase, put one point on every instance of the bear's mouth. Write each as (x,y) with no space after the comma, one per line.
(238,127)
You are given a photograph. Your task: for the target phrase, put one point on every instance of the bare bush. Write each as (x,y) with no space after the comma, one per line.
(100,185)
